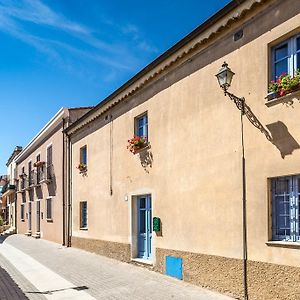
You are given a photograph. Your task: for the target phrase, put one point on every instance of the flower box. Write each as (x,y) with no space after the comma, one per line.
(82,168)
(284,85)
(137,144)
(38,164)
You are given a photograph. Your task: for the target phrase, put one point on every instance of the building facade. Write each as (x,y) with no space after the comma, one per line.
(41,205)
(9,195)
(164,152)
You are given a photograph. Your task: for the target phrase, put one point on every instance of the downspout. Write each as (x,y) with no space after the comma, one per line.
(63,185)
(111,155)
(69,198)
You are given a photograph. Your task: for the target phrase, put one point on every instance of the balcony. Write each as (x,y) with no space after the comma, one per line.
(47,174)
(31,177)
(8,189)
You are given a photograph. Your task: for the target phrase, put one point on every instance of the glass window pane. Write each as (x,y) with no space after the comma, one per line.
(282,186)
(142,203)
(298,61)
(141,131)
(83,155)
(281,67)
(142,126)
(298,43)
(141,121)
(142,221)
(281,52)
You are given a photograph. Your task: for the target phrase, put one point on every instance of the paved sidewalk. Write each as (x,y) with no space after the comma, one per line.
(94,276)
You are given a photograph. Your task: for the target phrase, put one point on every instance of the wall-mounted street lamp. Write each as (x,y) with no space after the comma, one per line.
(224,77)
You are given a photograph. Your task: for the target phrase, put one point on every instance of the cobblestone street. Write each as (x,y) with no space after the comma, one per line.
(54,272)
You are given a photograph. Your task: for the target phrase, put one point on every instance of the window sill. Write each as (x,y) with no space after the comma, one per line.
(295,245)
(286,99)
(83,228)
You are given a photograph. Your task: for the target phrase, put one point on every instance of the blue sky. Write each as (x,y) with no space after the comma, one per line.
(70,53)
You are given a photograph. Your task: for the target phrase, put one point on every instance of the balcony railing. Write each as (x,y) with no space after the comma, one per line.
(31,177)
(8,187)
(47,174)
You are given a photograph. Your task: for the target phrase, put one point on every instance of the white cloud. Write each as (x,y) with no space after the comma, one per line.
(16,14)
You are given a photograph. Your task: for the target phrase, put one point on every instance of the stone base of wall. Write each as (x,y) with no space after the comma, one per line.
(265,281)
(114,250)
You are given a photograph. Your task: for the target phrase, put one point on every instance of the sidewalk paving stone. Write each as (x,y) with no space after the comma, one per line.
(105,278)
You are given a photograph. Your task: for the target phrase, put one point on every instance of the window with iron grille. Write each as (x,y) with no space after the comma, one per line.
(286,57)
(285,208)
(83,215)
(49,209)
(141,126)
(22,212)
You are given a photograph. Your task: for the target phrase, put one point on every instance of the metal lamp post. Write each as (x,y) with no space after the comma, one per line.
(224,77)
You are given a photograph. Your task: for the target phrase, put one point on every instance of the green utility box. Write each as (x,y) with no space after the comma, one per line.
(156,224)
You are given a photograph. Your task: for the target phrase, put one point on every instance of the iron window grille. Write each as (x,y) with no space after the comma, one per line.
(285,208)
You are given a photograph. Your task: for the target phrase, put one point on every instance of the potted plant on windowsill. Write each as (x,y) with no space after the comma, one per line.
(137,143)
(38,164)
(82,168)
(284,84)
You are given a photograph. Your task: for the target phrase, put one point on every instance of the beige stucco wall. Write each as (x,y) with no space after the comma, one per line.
(194,131)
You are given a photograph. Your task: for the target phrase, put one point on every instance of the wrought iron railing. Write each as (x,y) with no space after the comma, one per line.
(31,177)
(47,173)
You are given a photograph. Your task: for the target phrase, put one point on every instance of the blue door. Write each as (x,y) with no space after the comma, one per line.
(144,227)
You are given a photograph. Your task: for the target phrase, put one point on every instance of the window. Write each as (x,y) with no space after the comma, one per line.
(83,215)
(49,162)
(286,57)
(38,169)
(49,209)
(23,197)
(141,126)
(83,155)
(22,212)
(285,208)
(30,173)
(23,179)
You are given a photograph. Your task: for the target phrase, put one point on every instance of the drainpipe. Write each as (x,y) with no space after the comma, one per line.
(111,155)
(63,186)
(69,184)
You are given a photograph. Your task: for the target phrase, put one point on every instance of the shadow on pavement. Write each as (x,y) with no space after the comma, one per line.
(77,288)
(8,288)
